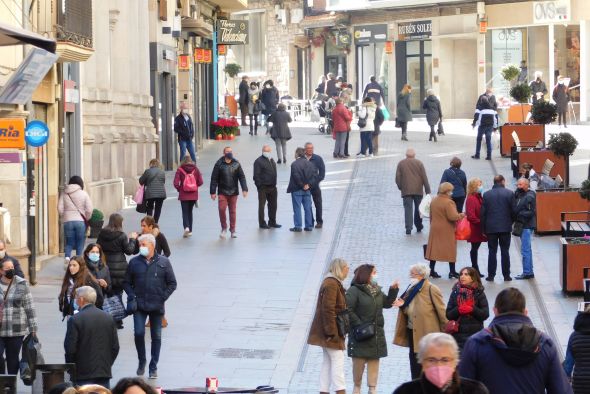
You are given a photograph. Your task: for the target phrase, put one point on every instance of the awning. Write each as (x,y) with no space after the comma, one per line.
(323,20)
(12,35)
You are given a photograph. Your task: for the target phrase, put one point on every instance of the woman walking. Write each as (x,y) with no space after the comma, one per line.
(442,245)
(468,305)
(367,115)
(456,177)
(561,96)
(76,276)
(75,209)
(97,266)
(404,110)
(19,316)
(253,107)
(187,181)
(325,331)
(341,117)
(422,311)
(365,301)
(433,112)
(154,179)
(473,212)
(280,131)
(270,99)
(115,245)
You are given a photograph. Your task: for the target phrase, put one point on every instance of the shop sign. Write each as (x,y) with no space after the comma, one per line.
(483,26)
(412,31)
(183,63)
(36,133)
(199,55)
(10,157)
(389,47)
(207,55)
(232,32)
(222,50)
(12,133)
(370,34)
(553,11)
(343,39)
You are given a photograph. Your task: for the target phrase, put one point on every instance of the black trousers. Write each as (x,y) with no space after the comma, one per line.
(187,214)
(10,345)
(267,194)
(562,117)
(473,254)
(154,207)
(459,201)
(346,143)
(244,112)
(415,366)
(504,240)
(316,194)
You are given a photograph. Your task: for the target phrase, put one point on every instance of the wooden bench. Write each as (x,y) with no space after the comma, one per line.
(575,224)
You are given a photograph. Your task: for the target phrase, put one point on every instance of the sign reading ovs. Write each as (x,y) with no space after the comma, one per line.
(551,11)
(36,133)
(12,133)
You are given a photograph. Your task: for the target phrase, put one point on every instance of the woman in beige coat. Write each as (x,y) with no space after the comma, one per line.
(421,311)
(324,329)
(442,245)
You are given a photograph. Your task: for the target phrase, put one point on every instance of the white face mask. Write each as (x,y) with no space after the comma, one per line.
(2,254)
(560,82)
(414,281)
(266,154)
(185,111)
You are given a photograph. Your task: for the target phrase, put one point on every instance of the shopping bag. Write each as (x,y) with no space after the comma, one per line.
(114,307)
(138,198)
(31,356)
(386,115)
(424,206)
(463,230)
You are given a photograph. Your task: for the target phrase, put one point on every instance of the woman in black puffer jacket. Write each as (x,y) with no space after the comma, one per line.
(468,305)
(577,355)
(115,244)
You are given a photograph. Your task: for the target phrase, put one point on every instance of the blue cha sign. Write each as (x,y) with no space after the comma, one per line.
(36,133)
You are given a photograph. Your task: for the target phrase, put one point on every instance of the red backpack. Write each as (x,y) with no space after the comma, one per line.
(190,183)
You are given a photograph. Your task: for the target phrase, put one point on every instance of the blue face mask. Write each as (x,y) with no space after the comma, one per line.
(75,305)
(480,190)
(94,257)
(144,251)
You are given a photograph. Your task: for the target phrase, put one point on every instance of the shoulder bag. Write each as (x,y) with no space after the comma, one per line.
(362,123)
(79,211)
(342,319)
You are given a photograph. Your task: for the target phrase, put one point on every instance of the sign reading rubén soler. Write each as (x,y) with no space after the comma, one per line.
(418,30)
(233,32)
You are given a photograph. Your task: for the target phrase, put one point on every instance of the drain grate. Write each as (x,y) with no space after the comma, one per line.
(229,352)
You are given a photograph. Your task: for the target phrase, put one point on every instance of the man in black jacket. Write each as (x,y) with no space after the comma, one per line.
(243,99)
(316,192)
(525,213)
(149,282)
(486,121)
(265,179)
(185,130)
(91,341)
(497,213)
(227,172)
(303,179)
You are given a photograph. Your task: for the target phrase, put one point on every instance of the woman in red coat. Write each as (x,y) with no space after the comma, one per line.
(473,208)
(341,117)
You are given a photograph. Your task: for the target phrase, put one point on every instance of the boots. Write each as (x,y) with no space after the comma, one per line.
(432,136)
(251,129)
(404,137)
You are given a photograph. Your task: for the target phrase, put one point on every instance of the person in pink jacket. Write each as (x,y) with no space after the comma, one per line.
(75,209)
(187,181)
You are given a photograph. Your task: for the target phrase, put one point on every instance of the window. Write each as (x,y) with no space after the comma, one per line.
(567,57)
(252,56)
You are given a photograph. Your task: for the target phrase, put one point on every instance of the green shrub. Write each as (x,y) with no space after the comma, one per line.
(544,112)
(510,72)
(232,69)
(562,144)
(97,216)
(585,189)
(521,93)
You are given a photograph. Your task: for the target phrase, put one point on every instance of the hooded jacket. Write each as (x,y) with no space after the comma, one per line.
(115,245)
(578,354)
(179,179)
(433,111)
(74,202)
(524,359)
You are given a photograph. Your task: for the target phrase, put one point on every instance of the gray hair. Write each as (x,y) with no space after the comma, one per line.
(438,339)
(410,153)
(337,267)
(308,143)
(147,237)
(526,181)
(421,269)
(430,92)
(299,152)
(538,74)
(87,293)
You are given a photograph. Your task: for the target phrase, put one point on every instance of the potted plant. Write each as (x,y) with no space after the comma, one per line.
(585,189)
(510,72)
(562,144)
(96,222)
(225,128)
(544,112)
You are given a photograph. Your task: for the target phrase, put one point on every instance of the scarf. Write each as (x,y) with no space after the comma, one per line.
(413,292)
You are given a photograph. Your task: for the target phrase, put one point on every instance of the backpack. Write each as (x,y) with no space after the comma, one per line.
(190,183)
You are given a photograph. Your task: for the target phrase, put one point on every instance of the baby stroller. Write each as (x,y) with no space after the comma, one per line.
(324,113)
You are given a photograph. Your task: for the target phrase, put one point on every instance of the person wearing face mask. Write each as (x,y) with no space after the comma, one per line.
(185,130)
(4,256)
(77,275)
(538,87)
(561,96)
(149,282)
(270,99)
(18,318)
(442,245)
(226,174)
(473,212)
(97,267)
(365,301)
(439,355)
(265,179)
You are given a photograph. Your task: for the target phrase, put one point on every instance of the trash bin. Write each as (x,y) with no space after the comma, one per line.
(48,375)
(8,384)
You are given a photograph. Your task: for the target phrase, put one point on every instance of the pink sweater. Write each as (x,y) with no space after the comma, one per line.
(73,201)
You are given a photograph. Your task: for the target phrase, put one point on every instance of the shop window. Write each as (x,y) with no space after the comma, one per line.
(252,56)
(566,49)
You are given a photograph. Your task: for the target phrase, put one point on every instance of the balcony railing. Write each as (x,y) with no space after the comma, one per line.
(74,22)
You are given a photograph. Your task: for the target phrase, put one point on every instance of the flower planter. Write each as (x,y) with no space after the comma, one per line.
(517,113)
(95,227)
(219,137)
(573,259)
(550,205)
(537,158)
(528,134)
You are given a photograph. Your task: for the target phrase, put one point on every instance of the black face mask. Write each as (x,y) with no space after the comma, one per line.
(9,274)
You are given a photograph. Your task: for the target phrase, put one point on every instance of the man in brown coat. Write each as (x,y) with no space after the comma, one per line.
(411,180)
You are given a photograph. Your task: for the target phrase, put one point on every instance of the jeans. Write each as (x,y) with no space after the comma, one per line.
(366,142)
(187,214)
(225,202)
(346,143)
(184,145)
(75,234)
(527,251)
(104,382)
(139,319)
(459,201)
(332,372)
(408,214)
(339,144)
(358,370)
(10,345)
(267,194)
(298,198)
(487,130)
(504,240)
(316,194)
(281,149)
(154,207)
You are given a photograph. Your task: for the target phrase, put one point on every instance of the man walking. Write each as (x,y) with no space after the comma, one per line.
(511,355)
(303,178)
(525,213)
(497,212)
(411,180)
(243,99)
(91,341)
(316,192)
(227,172)
(265,179)
(374,91)
(149,282)
(486,121)
(185,130)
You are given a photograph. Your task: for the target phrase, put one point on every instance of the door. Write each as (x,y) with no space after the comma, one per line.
(414,67)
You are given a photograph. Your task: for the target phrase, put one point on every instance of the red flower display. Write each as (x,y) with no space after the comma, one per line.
(226,126)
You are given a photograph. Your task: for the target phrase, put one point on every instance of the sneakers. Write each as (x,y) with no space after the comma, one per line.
(360,155)
(475,157)
(234,235)
(524,276)
(154,374)
(186,233)
(223,233)
(370,155)
(295,229)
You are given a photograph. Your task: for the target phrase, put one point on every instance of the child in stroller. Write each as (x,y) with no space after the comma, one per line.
(324,106)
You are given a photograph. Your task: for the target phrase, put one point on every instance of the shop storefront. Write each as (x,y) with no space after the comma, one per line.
(371,57)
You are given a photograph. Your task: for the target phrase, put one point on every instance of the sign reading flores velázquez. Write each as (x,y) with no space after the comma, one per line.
(419,30)
(232,32)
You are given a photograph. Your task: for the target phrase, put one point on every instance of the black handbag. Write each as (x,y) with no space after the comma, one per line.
(440,130)
(364,331)
(343,322)
(362,123)
(517,229)
(141,208)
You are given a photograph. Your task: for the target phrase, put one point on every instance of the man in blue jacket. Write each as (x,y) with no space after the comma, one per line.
(497,213)
(149,281)
(511,355)
(303,179)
